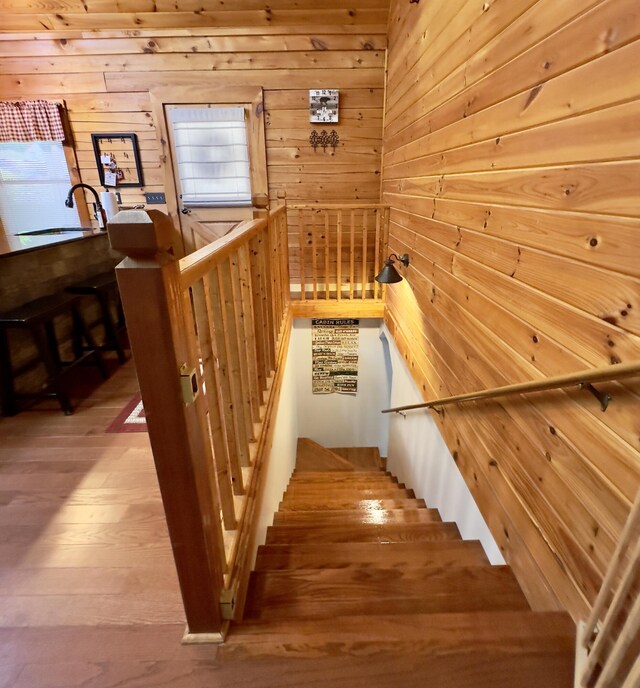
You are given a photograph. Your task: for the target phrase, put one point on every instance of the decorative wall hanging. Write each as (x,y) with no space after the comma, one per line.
(118,159)
(323,105)
(324,140)
(334,347)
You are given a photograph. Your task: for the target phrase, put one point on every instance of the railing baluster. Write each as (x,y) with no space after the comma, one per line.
(249,319)
(209,365)
(365,220)
(241,342)
(283,254)
(352,257)
(301,255)
(267,288)
(216,308)
(376,257)
(339,256)
(314,255)
(327,281)
(231,339)
(260,328)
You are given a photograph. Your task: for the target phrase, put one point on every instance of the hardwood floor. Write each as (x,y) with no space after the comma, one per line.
(88,590)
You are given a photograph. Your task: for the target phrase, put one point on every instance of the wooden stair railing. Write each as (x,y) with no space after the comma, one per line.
(336,250)
(609,642)
(581,379)
(208,335)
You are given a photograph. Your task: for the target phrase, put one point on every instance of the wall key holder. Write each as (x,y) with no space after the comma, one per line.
(324,140)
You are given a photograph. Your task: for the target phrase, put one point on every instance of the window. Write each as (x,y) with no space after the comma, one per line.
(34,182)
(212,155)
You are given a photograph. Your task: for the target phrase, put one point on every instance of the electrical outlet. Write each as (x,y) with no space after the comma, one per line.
(154,198)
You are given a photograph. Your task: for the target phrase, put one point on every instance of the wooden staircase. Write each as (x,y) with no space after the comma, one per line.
(360,584)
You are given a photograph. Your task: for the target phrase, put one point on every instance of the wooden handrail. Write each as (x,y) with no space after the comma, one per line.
(584,377)
(335,206)
(197,264)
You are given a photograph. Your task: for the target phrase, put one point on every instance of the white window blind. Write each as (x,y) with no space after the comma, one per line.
(212,155)
(34,182)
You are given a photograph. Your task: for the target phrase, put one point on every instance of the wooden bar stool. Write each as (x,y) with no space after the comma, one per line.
(39,318)
(104,287)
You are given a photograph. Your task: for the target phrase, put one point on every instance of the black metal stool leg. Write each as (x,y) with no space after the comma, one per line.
(111,334)
(7,391)
(84,333)
(48,356)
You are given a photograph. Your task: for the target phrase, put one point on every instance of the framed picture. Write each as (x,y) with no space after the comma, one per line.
(323,105)
(118,159)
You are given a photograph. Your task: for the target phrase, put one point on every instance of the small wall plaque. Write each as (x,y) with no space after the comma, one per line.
(323,105)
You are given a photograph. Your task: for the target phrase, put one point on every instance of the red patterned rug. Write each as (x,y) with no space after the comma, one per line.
(131,418)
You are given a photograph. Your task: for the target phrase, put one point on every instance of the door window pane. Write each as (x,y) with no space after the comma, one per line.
(212,156)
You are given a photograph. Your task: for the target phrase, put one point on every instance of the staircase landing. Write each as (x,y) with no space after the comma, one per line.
(360,584)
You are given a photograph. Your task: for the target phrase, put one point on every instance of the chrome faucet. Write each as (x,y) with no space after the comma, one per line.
(99,209)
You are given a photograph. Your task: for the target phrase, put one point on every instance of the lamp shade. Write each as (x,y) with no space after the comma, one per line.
(388,274)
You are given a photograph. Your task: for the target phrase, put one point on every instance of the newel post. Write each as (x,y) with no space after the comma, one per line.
(153,303)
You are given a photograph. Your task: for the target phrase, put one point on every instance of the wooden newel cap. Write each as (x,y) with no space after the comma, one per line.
(260,201)
(140,232)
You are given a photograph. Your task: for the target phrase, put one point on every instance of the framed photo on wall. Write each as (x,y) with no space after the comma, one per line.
(118,159)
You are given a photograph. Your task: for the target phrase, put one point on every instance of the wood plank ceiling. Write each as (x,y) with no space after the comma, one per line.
(512,167)
(102,56)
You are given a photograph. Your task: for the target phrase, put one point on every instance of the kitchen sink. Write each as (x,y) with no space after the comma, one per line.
(56,230)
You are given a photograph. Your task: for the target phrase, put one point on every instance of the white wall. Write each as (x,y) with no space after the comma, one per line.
(416,452)
(343,420)
(282,457)
(418,456)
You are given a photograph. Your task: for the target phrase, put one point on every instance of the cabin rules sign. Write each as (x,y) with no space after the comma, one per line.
(334,346)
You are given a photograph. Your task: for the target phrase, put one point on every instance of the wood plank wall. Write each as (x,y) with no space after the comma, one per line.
(511,162)
(102,56)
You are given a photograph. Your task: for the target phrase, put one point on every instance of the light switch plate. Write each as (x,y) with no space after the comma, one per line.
(155,198)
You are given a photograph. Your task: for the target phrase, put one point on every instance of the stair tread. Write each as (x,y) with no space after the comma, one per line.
(346,478)
(327,476)
(363,554)
(482,649)
(349,503)
(550,631)
(368,532)
(330,592)
(392,492)
(354,516)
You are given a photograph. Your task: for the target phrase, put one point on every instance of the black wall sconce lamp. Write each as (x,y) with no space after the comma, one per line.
(388,274)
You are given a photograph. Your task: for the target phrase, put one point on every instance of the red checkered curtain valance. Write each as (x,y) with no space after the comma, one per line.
(30,120)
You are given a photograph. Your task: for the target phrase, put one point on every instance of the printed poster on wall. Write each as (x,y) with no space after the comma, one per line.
(334,346)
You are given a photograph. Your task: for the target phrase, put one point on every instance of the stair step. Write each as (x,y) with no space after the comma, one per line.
(370,532)
(433,634)
(331,504)
(311,456)
(327,593)
(361,457)
(341,477)
(483,650)
(353,493)
(404,555)
(355,516)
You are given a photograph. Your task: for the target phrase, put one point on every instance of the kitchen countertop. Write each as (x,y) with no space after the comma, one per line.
(13,244)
